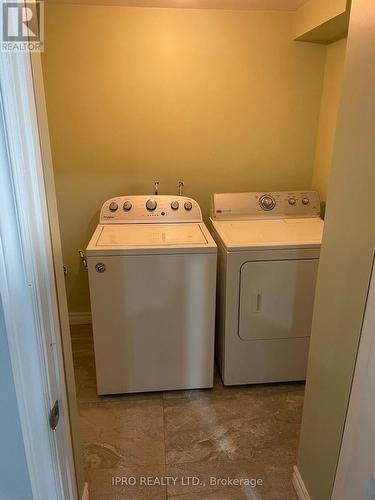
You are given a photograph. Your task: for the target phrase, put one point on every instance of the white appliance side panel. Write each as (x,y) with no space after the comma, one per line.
(277,299)
(220,308)
(153,321)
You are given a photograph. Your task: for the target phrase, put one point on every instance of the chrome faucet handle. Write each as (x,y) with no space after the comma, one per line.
(156,188)
(180,188)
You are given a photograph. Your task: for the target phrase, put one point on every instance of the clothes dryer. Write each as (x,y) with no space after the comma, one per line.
(268,255)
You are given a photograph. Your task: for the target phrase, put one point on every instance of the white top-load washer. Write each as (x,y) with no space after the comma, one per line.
(152,276)
(268,254)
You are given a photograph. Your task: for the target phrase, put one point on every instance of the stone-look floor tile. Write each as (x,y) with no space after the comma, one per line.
(79,331)
(84,369)
(122,433)
(244,427)
(81,338)
(260,481)
(84,338)
(102,483)
(240,431)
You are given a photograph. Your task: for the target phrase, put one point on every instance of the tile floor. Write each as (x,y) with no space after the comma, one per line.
(247,432)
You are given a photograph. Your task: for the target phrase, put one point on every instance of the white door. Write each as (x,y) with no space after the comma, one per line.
(65,358)
(277,299)
(355,478)
(28,288)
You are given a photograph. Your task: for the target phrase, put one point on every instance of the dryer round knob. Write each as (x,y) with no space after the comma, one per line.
(305,201)
(175,205)
(151,204)
(113,206)
(267,202)
(292,201)
(127,206)
(188,205)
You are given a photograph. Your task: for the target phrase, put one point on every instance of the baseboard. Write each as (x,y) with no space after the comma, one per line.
(85,495)
(299,485)
(80,318)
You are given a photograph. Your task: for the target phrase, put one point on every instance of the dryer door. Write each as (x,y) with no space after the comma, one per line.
(277,299)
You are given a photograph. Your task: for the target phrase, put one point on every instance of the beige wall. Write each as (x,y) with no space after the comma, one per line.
(345,264)
(331,94)
(221,99)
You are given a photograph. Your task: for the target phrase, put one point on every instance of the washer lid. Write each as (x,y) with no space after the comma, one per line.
(151,235)
(149,238)
(275,233)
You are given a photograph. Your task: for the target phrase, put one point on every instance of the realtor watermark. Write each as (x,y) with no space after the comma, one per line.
(247,482)
(22,26)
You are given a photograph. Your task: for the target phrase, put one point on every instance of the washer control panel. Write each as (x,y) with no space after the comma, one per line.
(154,209)
(279,204)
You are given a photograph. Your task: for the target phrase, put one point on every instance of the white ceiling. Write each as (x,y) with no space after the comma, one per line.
(288,5)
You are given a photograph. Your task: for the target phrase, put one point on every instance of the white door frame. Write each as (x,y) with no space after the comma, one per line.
(50,191)
(28,288)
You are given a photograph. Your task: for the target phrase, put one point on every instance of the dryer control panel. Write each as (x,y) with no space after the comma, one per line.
(150,209)
(275,204)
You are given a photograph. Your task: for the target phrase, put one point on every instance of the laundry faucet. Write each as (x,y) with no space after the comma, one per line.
(156,188)
(180,188)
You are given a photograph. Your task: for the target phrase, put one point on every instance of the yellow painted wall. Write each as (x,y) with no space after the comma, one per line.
(224,100)
(331,94)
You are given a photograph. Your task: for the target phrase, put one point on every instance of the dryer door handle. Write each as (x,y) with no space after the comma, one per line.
(256,301)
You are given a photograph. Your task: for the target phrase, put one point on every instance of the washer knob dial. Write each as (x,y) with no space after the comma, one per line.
(292,201)
(305,201)
(188,205)
(267,202)
(175,205)
(151,204)
(127,206)
(113,206)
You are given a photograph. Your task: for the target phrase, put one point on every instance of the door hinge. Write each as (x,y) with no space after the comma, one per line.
(54,415)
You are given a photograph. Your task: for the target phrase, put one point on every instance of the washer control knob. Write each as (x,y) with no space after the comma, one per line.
(127,206)
(305,201)
(151,204)
(175,205)
(292,201)
(267,202)
(188,205)
(113,206)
